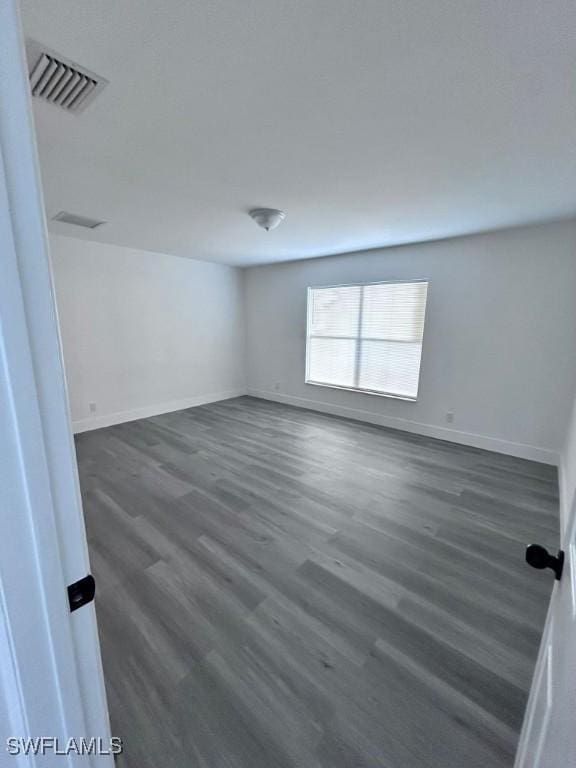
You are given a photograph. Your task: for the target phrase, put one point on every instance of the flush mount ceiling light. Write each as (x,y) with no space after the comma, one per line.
(267,218)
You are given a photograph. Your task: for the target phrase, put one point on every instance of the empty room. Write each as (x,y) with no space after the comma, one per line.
(288,369)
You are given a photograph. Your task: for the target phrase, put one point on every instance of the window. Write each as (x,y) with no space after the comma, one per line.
(366,337)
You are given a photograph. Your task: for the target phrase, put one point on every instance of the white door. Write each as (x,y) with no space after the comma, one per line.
(548,737)
(51,682)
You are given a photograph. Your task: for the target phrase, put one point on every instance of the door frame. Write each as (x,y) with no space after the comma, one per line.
(538,708)
(51,680)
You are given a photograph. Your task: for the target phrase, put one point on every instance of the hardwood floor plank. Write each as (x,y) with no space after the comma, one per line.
(279,588)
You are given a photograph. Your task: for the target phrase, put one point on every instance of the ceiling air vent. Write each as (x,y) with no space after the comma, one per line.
(59,80)
(78,221)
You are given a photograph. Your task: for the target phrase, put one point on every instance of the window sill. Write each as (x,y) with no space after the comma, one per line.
(363,391)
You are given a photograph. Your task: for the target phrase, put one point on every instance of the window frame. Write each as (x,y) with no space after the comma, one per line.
(360,390)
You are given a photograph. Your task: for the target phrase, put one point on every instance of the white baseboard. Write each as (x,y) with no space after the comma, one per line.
(521,450)
(108,420)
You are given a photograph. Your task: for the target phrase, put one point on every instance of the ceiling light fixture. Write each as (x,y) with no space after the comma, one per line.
(267,218)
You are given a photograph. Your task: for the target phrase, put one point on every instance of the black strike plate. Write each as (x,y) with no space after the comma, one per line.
(81,592)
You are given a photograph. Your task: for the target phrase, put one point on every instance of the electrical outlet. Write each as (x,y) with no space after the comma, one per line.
(449,417)
(277,387)
(92,407)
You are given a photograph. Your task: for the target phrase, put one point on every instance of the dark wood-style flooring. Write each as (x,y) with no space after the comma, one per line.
(282,588)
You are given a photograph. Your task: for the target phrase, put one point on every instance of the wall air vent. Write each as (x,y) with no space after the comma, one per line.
(78,221)
(60,81)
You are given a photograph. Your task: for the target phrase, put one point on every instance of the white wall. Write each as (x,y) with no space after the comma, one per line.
(568,470)
(143,332)
(498,347)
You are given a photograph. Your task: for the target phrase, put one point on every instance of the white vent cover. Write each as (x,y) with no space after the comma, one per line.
(78,221)
(59,80)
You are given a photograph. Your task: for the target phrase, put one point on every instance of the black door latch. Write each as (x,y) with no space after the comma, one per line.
(539,557)
(81,592)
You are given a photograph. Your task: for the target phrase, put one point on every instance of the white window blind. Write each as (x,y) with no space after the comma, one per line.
(366,337)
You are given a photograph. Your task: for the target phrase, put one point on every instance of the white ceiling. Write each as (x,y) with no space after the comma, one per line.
(370,122)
